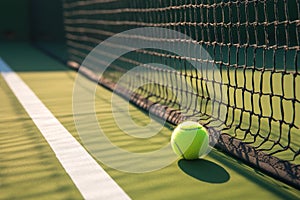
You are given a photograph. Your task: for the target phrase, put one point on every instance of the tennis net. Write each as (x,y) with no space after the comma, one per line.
(255,46)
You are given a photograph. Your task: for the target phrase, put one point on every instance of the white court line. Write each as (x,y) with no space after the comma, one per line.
(90,179)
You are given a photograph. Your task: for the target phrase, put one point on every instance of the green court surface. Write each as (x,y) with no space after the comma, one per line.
(30,170)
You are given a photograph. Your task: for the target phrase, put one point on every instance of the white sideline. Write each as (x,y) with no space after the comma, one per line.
(90,179)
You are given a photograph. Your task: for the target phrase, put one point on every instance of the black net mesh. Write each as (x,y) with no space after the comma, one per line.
(255,46)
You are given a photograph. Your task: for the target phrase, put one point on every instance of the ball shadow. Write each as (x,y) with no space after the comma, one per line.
(204,170)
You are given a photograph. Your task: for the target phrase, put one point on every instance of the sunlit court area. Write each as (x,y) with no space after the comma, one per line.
(149,99)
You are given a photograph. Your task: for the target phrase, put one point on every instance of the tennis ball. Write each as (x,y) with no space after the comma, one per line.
(190,140)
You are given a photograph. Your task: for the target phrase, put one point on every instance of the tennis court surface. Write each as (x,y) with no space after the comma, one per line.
(244,90)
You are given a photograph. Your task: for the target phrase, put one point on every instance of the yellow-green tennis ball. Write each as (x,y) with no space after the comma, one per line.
(190,140)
